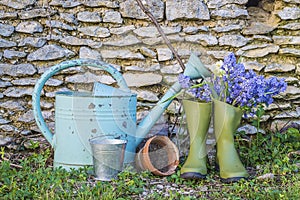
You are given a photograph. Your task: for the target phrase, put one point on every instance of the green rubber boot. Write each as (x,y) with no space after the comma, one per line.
(198,117)
(226,121)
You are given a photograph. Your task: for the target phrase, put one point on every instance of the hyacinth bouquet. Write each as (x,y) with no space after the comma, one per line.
(230,92)
(233,84)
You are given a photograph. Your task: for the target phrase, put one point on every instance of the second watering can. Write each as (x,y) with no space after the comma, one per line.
(107,112)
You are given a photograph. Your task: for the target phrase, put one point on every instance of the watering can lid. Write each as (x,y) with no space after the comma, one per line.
(105,90)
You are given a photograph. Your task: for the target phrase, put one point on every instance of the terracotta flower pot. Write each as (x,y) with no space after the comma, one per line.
(159,155)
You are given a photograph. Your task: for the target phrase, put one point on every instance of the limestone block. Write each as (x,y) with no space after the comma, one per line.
(105,3)
(292,1)
(249,129)
(291,90)
(27,117)
(147,52)
(153,41)
(6,30)
(218,54)
(139,80)
(18,92)
(254,65)
(8,128)
(130,9)
(203,39)
(121,54)
(95,31)
(222,29)
(52,94)
(289,13)
(257,51)
(195,29)
(74,41)
(3,121)
(32,81)
(17,4)
(262,38)
(14,105)
(32,41)
(192,9)
(34,13)
(143,67)
(288,114)
(68,17)
(220,3)
(164,54)
(290,52)
(11,54)
(86,52)
(6,43)
(276,67)
(8,15)
(171,69)
(230,11)
(258,28)
(65,3)
(113,17)
(4,84)
(279,124)
(122,30)
(50,52)
(274,106)
(282,40)
(17,70)
(89,77)
(144,95)
(29,27)
(87,16)
(187,52)
(123,41)
(59,24)
(233,40)
(291,26)
(152,31)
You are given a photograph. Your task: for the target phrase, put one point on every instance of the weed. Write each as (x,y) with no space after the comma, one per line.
(274,153)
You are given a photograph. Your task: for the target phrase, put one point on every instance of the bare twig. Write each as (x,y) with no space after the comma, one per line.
(11,164)
(167,41)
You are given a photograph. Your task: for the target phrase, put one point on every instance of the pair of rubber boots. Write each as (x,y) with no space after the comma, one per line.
(226,120)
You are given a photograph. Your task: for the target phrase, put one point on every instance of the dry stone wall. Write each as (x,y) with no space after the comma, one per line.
(36,34)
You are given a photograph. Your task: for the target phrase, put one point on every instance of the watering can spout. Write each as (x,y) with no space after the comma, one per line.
(194,69)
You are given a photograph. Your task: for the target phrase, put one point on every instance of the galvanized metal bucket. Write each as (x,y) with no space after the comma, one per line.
(108,157)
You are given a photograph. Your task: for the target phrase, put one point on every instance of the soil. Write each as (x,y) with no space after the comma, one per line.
(159,157)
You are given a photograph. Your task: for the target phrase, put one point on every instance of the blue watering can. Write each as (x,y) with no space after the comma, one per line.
(105,112)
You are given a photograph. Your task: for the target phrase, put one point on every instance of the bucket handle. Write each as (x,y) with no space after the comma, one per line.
(64,65)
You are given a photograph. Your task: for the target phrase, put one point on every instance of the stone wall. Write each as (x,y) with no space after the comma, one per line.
(36,34)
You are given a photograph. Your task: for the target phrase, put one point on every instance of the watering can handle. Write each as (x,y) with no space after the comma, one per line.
(56,68)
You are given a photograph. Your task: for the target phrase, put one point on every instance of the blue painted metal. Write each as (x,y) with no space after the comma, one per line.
(81,116)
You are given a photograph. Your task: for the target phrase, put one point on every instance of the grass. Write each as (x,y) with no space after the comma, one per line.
(275,155)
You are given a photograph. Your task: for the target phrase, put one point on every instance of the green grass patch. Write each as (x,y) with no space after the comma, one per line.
(272,160)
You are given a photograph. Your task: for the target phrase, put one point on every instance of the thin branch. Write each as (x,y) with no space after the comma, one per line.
(167,41)
(11,164)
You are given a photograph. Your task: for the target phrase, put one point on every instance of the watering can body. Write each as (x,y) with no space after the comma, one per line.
(81,116)
(105,112)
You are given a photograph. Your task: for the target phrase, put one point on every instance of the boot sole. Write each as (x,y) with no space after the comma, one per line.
(232,180)
(192,175)
(228,180)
